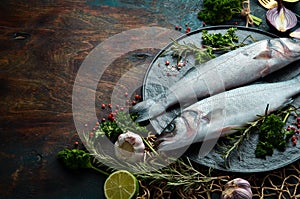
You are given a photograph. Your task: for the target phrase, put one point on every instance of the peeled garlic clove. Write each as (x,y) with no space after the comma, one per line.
(237,189)
(130,147)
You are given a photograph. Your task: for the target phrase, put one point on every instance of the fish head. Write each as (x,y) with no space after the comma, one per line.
(181,131)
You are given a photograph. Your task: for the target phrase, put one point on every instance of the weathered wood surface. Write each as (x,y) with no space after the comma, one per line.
(36,80)
(37,74)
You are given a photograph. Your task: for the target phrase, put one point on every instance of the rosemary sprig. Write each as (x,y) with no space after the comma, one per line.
(183,50)
(181,173)
(211,44)
(160,171)
(238,139)
(244,134)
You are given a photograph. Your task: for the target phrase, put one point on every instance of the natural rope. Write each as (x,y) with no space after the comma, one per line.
(246,12)
(282,184)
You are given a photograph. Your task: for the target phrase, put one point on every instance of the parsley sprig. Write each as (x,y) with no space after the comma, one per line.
(219,11)
(211,44)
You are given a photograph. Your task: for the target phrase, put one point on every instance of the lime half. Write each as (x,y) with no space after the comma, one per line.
(121,185)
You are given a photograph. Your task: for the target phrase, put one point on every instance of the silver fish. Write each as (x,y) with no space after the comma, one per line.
(226,112)
(225,72)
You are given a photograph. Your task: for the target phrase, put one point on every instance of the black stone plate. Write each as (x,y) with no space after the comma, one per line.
(159,77)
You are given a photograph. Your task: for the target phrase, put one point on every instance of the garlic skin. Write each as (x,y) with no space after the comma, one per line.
(129,147)
(237,189)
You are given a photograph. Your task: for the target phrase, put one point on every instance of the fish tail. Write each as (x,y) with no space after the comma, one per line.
(147,109)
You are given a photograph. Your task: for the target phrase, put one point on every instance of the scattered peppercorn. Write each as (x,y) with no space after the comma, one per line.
(137,97)
(91,134)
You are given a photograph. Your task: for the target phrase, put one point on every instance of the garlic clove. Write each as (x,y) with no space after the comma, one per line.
(237,189)
(129,147)
(296,34)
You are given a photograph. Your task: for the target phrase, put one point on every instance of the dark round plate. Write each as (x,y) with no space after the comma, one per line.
(159,77)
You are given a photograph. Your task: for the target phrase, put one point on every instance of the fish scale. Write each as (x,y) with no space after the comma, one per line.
(225,112)
(228,71)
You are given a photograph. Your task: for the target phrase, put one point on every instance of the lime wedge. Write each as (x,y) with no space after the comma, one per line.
(121,185)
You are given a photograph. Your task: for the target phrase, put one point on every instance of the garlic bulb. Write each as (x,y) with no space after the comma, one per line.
(237,189)
(129,147)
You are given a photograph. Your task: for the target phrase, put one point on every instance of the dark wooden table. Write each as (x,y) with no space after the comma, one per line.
(42,46)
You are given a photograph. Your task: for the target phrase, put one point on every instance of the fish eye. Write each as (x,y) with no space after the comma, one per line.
(170,128)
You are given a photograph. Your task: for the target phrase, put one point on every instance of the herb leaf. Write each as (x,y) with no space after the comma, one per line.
(271,136)
(218,11)
(77,159)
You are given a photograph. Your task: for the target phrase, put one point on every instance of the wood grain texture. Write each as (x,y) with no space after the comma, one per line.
(37,73)
(42,46)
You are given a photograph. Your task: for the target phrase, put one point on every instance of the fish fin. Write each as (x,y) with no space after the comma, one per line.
(266,54)
(227,129)
(147,109)
(216,114)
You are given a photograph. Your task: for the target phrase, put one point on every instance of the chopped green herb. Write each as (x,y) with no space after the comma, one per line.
(218,11)
(211,43)
(271,136)
(218,40)
(124,122)
(77,159)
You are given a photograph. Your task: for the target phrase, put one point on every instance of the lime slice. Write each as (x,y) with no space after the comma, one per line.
(121,185)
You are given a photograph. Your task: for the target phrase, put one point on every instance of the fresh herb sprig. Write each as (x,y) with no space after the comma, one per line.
(122,123)
(181,173)
(183,50)
(211,44)
(273,128)
(75,159)
(271,136)
(237,140)
(219,11)
(219,41)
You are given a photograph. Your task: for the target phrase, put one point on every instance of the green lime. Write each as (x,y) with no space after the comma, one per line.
(121,185)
